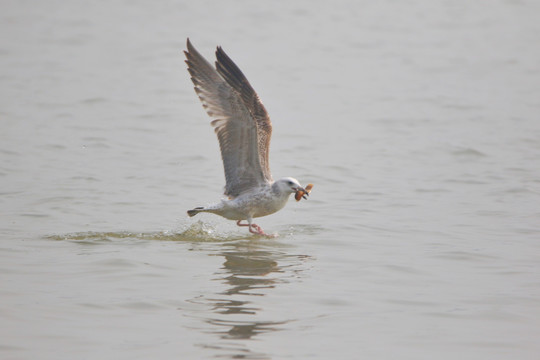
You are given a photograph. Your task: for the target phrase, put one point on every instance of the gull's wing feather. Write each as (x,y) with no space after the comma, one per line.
(236,79)
(233,122)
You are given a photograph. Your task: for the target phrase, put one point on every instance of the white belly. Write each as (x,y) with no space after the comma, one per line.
(251,205)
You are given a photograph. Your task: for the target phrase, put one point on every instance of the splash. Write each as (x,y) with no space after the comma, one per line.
(196,232)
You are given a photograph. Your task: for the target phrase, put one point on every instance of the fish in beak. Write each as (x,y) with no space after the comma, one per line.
(303,193)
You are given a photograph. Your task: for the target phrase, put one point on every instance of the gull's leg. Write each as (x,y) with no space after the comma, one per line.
(240,224)
(259,231)
(262,233)
(254,228)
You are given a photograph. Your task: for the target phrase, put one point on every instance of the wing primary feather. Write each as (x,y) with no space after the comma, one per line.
(239,119)
(238,81)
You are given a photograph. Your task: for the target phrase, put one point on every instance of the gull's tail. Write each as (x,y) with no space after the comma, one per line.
(195,211)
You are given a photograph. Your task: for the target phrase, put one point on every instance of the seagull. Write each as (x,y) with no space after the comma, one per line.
(244,129)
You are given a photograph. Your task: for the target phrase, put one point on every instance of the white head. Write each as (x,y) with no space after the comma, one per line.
(287,185)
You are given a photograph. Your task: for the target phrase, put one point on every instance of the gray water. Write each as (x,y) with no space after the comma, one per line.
(417,121)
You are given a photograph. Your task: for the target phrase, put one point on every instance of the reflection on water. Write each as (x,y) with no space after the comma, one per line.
(252,267)
(248,272)
(248,269)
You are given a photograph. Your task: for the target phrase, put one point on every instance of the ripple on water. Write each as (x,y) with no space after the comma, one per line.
(196,232)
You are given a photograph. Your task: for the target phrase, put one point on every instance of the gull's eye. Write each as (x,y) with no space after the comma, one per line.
(289,182)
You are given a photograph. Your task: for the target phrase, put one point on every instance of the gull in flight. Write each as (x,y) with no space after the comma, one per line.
(243,129)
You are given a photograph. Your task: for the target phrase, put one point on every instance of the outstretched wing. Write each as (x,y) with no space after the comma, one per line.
(236,79)
(239,119)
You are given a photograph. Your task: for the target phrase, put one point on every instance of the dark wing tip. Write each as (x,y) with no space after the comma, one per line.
(232,74)
(222,57)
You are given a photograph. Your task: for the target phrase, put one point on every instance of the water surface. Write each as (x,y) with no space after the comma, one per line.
(417,121)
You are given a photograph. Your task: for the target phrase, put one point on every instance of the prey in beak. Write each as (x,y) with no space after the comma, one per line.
(303,193)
